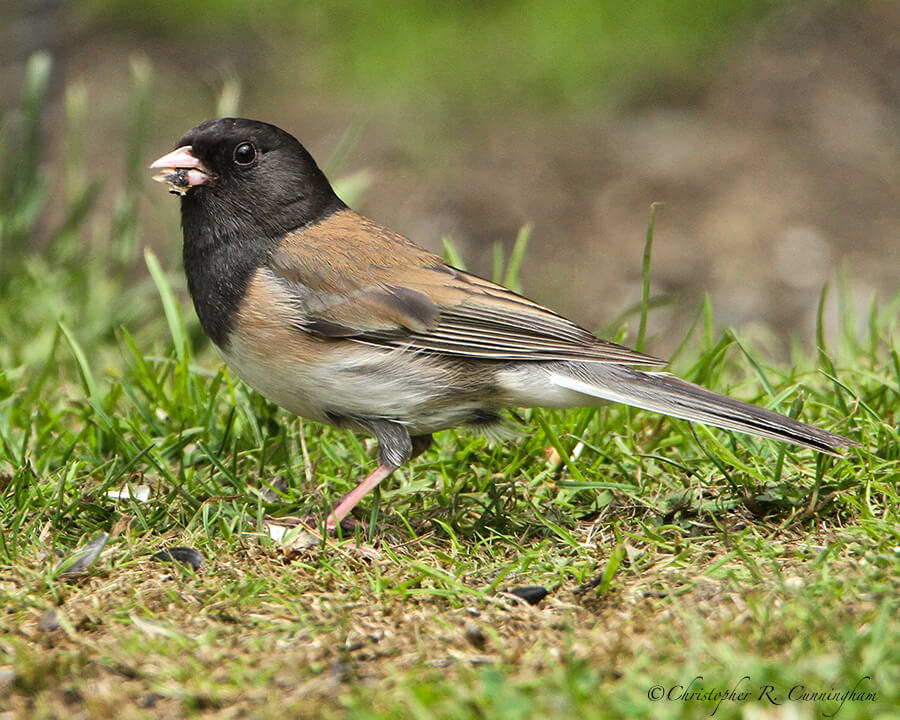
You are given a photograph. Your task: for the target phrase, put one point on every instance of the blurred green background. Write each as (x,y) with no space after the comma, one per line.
(767,129)
(450,57)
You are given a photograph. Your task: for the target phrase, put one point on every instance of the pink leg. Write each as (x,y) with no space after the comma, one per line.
(352,498)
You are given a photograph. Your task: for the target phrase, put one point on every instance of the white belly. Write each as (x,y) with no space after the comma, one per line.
(358,381)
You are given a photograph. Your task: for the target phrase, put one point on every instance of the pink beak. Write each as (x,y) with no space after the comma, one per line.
(182,159)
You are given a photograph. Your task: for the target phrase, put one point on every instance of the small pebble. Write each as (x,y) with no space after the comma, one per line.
(49,621)
(793,583)
(149,701)
(476,637)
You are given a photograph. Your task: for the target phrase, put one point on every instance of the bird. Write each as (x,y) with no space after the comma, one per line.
(342,321)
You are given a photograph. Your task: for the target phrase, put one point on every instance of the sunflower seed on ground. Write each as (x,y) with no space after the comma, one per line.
(141,493)
(182,554)
(532,594)
(276,489)
(80,561)
(291,538)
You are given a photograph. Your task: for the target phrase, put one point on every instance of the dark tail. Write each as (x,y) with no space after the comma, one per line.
(672,396)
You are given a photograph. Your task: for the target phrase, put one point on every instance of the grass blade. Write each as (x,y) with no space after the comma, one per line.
(170,306)
(645,280)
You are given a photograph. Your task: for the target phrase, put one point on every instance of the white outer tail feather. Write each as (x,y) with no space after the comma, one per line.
(669,395)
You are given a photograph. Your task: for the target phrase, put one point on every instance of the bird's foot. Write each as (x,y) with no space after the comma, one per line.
(349,525)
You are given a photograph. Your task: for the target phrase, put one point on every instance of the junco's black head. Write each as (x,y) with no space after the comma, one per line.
(240,178)
(244,185)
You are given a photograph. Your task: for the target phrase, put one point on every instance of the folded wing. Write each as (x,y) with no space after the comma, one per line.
(381,289)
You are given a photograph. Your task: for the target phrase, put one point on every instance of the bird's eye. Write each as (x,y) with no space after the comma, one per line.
(244,153)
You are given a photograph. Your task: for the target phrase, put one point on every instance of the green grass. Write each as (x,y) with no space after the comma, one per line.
(452,58)
(671,551)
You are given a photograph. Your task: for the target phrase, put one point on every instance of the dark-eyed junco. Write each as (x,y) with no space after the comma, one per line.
(342,321)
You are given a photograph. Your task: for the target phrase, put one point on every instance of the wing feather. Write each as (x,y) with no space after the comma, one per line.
(353,279)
